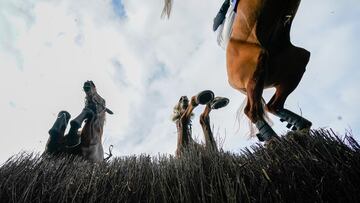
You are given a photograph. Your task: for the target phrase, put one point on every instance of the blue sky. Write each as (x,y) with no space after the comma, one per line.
(118,8)
(142,64)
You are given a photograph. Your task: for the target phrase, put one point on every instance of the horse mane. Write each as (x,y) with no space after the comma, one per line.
(167,8)
(177,112)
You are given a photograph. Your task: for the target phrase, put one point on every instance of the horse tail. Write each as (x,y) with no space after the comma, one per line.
(240,114)
(265,113)
(252,128)
(167,8)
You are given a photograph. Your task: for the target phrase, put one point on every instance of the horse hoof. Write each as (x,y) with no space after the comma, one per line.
(204,97)
(66,114)
(265,131)
(219,102)
(293,119)
(260,137)
(304,124)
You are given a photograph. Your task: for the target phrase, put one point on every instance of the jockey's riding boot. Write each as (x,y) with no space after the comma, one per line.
(220,17)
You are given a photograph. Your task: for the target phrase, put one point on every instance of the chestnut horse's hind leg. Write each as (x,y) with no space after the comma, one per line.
(217,103)
(294,61)
(73,139)
(183,129)
(56,132)
(205,124)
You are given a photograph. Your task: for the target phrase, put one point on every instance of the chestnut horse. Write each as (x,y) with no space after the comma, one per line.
(88,141)
(183,112)
(260,55)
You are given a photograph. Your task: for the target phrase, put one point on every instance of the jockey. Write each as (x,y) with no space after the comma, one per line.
(220,17)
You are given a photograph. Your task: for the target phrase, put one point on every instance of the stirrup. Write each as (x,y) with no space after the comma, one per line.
(295,121)
(219,102)
(265,131)
(204,97)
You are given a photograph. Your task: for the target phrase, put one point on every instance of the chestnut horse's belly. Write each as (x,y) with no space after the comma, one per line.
(244,26)
(258,27)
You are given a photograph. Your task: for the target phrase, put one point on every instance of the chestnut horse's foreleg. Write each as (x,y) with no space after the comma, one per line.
(247,64)
(205,124)
(183,128)
(254,89)
(254,108)
(56,132)
(73,139)
(293,60)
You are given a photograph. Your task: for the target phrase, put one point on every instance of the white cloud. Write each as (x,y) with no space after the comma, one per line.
(142,65)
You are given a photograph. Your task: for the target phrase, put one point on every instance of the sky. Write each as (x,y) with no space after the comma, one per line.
(142,64)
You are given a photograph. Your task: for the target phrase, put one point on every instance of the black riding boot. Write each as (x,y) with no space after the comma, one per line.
(220,17)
